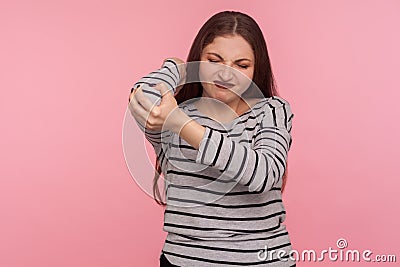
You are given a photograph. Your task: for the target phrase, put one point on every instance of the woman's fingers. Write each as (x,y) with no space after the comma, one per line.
(164,91)
(148,114)
(141,114)
(133,92)
(137,110)
(143,100)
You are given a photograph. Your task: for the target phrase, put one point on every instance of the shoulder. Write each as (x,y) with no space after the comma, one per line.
(272,102)
(278,104)
(277,101)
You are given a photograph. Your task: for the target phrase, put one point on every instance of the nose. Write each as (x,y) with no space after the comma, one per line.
(225,73)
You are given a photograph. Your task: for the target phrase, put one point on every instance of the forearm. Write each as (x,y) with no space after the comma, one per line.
(193,133)
(259,166)
(188,129)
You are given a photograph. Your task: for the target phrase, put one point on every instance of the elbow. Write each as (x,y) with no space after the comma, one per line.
(269,179)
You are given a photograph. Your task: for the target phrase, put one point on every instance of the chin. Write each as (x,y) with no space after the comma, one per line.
(224,95)
(227,99)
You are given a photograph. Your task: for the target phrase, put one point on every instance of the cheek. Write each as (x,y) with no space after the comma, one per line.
(249,73)
(246,78)
(206,71)
(205,81)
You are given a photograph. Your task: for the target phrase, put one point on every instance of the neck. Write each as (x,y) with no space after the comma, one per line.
(218,110)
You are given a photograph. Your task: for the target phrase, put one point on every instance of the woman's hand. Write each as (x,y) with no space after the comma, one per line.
(166,116)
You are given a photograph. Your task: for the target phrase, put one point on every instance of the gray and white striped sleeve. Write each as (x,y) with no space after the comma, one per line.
(168,74)
(261,166)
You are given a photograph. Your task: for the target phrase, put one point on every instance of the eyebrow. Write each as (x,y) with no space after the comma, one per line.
(237,60)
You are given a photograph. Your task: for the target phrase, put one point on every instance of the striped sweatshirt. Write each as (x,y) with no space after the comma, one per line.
(224,201)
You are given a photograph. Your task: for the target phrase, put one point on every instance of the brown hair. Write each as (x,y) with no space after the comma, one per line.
(222,24)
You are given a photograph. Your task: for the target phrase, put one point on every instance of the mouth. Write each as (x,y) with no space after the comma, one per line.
(223,85)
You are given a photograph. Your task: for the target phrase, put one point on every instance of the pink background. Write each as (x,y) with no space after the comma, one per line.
(67,197)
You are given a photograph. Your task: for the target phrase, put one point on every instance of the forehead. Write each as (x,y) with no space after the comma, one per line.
(230,47)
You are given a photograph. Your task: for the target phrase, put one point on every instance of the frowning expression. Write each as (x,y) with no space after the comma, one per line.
(227,68)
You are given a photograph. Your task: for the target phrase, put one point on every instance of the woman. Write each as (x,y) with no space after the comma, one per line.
(222,144)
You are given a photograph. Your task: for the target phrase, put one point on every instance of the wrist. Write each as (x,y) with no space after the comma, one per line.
(178,119)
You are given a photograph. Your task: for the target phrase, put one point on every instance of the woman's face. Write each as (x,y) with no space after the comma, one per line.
(227,68)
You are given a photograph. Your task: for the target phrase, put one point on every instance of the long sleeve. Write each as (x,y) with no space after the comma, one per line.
(260,166)
(169,74)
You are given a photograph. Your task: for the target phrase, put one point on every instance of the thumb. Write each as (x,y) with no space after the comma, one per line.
(162,87)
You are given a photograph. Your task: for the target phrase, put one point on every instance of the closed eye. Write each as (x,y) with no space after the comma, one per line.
(239,65)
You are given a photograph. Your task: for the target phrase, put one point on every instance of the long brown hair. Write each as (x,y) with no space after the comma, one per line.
(226,23)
